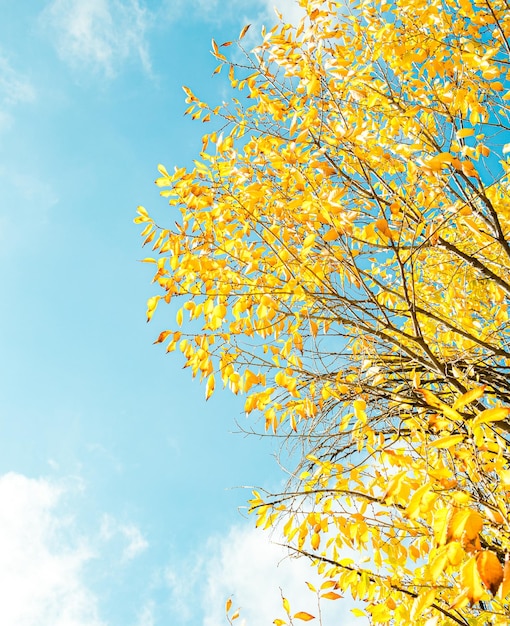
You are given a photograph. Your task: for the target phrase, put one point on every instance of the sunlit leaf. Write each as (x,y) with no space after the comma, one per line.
(302,615)
(490,570)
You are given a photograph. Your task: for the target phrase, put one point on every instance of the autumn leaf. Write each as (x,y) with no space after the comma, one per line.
(465,526)
(471,581)
(491,415)
(490,570)
(469,397)
(504,588)
(286,605)
(302,615)
(331,595)
(244,31)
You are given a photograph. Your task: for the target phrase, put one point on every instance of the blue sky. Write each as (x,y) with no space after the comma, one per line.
(117,479)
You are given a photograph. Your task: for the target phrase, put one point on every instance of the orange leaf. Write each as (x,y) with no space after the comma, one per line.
(330,235)
(490,570)
(306,617)
(331,595)
(244,31)
(430,398)
(162,336)
(328,584)
(382,226)
(504,589)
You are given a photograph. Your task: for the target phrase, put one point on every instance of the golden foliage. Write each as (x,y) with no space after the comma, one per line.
(342,258)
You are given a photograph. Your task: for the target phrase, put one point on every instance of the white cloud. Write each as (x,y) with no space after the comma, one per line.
(41,567)
(99,35)
(246,566)
(135,542)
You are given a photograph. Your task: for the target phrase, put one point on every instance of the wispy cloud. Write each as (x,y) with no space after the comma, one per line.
(290,10)
(99,35)
(15,88)
(218,12)
(134,542)
(245,565)
(41,569)
(146,615)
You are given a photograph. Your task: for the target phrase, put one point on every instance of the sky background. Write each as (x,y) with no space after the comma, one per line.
(119,498)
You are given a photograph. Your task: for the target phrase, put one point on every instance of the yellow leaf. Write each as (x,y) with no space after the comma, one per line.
(286,605)
(421,603)
(228,605)
(438,564)
(465,526)
(491,415)
(471,581)
(302,615)
(209,387)
(309,240)
(464,132)
(413,508)
(455,553)
(447,441)
(152,303)
(162,171)
(468,397)
(216,51)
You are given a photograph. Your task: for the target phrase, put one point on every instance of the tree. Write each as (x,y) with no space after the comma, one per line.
(342,256)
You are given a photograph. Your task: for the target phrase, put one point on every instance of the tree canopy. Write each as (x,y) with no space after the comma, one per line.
(342,257)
